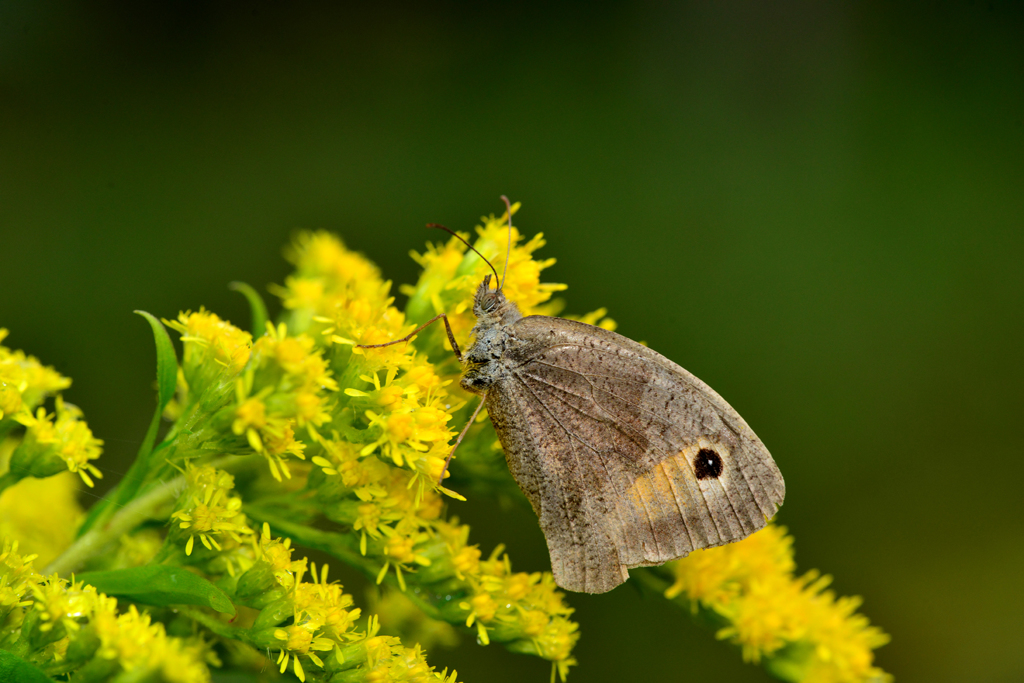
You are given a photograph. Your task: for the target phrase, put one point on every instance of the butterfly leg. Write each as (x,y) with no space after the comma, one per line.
(462,434)
(439,316)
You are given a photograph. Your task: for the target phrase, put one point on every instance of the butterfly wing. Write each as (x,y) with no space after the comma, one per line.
(627,458)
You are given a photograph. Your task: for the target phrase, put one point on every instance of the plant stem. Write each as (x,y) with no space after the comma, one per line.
(124,520)
(213,624)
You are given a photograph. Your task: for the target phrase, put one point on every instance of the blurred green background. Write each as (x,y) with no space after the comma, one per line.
(817,208)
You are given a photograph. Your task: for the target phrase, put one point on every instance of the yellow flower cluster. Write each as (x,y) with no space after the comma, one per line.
(212,346)
(24,381)
(813,636)
(283,390)
(138,645)
(389,438)
(451,275)
(210,512)
(373,427)
(524,609)
(64,626)
(52,442)
(269,392)
(323,628)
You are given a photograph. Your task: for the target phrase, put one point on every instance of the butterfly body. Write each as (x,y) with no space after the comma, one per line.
(627,459)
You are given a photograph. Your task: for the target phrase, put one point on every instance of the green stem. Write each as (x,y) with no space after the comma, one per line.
(342,546)
(213,624)
(123,521)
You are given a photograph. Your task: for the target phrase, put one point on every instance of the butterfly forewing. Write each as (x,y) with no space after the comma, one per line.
(628,459)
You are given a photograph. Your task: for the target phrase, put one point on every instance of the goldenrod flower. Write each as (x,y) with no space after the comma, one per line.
(327,605)
(24,381)
(59,602)
(451,275)
(214,349)
(376,425)
(751,584)
(18,580)
(341,458)
(210,512)
(139,646)
(282,390)
(53,443)
(299,639)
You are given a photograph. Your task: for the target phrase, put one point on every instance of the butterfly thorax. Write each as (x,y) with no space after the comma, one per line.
(492,333)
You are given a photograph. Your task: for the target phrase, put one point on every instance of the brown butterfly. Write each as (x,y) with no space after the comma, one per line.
(627,458)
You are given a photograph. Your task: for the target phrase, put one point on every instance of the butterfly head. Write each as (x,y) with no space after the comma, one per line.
(492,308)
(495,315)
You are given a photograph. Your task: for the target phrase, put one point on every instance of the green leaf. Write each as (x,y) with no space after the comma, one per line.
(166,362)
(166,382)
(259,309)
(158,584)
(14,669)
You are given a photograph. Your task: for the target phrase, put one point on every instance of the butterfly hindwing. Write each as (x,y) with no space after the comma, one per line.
(628,459)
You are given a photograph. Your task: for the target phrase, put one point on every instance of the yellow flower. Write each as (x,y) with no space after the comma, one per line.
(337,294)
(343,459)
(250,417)
(213,514)
(59,602)
(277,552)
(17,578)
(208,339)
(303,365)
(751,585)
(300,639)
(451,275)
(279,393)
(49,441)
(321,254)
(140,646)
(326,604)
(24,381)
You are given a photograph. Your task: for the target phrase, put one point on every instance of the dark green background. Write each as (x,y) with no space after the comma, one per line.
(817,208)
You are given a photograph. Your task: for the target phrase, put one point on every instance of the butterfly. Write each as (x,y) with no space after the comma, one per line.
(627,459)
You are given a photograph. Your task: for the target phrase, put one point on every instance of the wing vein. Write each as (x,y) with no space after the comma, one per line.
(599,453)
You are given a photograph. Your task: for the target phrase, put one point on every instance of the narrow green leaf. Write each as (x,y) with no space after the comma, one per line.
(158,584)
(166,362)
(259,309)
(166,381)
(14,669)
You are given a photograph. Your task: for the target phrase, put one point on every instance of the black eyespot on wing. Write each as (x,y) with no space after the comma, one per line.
(707,464)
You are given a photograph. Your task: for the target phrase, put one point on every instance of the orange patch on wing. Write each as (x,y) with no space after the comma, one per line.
(654,489)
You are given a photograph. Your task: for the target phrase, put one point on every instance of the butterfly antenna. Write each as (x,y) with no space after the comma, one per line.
(460,238)
(508,250)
